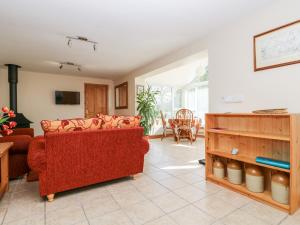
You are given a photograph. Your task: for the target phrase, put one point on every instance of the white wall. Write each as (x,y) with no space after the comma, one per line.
(36,95)
(230,52)
(231,64)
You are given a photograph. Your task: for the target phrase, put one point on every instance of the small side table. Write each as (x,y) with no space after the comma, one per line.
(4,150)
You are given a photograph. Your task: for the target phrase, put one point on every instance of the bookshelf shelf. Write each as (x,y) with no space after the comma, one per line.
(251,134)
(245,159)
(264,197)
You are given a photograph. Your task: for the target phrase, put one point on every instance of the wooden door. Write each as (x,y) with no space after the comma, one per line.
(96,99)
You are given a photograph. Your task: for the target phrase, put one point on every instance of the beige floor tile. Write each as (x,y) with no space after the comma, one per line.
(165,220)
(191,178)
(35,219)
(142,181)
(215,206)
(19,210)
(191,215)
(291,219)
(159,175)
(66,216)
(24,197)
(27,186)
(128,196)
(100,206)
(233,198)
(264,212)
(120,185)
(62,201)
(173,183)
(6,200)
(152,191)
(114,218)
(191,193)
(208,187)
(169,202)
(92,194)
(218,223)
(151,169)
(143,212)
(240,217)
(2,213)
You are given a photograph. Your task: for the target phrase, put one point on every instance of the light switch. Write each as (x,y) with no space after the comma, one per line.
(233,98)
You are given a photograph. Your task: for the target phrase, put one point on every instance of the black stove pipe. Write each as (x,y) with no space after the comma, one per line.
(13,81)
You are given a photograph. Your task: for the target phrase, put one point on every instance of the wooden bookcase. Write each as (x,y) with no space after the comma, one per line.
(267,135)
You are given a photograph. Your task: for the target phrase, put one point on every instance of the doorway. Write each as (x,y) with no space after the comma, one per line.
(96,99)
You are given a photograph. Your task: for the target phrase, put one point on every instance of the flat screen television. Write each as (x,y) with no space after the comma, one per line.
(67,98)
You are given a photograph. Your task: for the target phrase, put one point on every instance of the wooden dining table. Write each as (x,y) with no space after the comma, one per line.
(196,123)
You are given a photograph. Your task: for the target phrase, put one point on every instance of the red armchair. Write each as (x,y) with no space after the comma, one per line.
(21,137)
(69,160)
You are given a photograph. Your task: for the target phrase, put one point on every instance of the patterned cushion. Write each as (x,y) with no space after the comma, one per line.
(119,121)
(71,125)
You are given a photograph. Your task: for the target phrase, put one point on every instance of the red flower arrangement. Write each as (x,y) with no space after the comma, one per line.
(6,126)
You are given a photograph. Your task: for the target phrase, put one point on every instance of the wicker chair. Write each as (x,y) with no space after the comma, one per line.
(165,126)
(184,120)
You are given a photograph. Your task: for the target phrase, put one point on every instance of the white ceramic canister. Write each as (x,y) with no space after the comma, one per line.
(234,172)
(254,179)
(280,188)
(219,169)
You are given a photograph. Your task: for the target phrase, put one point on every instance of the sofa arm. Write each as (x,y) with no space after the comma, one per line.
(37,154)
(145,145)
(21,143)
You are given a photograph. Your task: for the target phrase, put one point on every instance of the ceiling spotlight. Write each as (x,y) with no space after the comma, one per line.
(69,42)
(62,64)
(81,38)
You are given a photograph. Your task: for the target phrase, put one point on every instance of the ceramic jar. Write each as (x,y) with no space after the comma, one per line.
(254,179)
(280,188)
(234,172)
(218,169)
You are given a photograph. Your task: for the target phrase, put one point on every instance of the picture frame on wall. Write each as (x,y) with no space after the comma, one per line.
(139,89)
(277,47)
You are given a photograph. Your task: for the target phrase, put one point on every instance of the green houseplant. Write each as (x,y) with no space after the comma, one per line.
(147,108)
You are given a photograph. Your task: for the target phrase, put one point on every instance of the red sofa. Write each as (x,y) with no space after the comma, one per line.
(69,160)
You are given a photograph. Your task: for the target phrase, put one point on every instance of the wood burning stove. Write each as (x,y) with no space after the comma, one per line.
(20,119)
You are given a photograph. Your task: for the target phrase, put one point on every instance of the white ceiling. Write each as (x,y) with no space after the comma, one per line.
(178,76)
(131,33)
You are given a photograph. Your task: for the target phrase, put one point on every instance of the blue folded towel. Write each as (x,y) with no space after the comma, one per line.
(273,162)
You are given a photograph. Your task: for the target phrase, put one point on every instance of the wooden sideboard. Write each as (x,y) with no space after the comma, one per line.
(267,135)
(4,150)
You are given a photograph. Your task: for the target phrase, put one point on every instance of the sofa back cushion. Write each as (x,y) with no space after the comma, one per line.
(71,125)
(114,121)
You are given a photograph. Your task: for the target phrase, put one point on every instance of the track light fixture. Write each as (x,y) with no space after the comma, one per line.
(62,64)
(80,38)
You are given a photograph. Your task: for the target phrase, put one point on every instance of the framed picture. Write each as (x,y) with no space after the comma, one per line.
(139,89)
(277,47)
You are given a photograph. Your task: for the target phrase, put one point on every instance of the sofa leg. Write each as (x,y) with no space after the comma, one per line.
(50,197)
(134,176)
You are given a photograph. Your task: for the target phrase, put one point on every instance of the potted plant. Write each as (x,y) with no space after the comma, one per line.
(147,108)
(5,125)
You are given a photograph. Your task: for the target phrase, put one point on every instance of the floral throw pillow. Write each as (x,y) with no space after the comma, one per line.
(71,125)
(115,121)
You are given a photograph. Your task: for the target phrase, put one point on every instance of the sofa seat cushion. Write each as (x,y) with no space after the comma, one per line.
(71,125)
(114,121)
(37,154)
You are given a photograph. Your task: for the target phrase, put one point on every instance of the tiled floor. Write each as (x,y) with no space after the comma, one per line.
(172,191)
